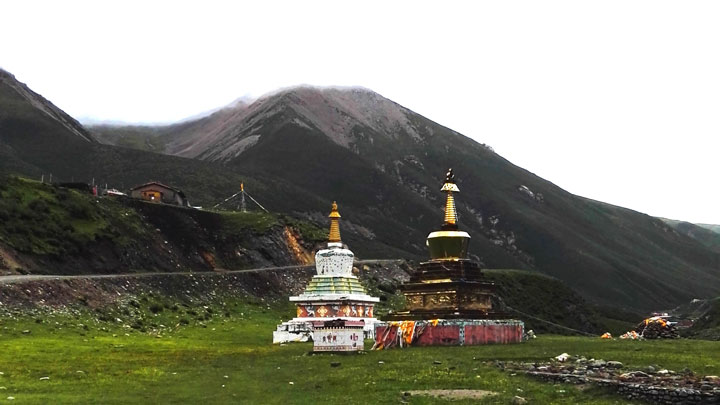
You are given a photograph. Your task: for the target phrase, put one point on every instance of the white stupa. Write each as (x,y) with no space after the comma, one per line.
(333,293)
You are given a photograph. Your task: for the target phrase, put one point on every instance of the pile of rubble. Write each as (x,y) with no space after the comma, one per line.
(656,328)
(651,384)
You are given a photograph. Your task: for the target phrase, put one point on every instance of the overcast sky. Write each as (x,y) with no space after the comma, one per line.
(613,100)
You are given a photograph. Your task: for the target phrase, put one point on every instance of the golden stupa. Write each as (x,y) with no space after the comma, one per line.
(449,286)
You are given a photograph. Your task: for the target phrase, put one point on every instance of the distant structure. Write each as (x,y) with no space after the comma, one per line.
(159,193)
(111,192)
(333,294)
(242,204)
(449,300)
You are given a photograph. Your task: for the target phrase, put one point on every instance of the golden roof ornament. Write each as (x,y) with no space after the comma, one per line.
(334,235)
(450,212)
(449,243)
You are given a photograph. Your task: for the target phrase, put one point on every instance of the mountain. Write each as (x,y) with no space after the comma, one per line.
(37,138)
(16,96)
(712,227)
(700,232)
(299,149)
(384,164)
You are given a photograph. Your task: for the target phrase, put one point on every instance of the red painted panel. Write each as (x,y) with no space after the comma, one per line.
(440,335)
(489,334)
(448,334)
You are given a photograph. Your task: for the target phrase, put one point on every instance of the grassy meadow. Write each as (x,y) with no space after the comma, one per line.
(158,352)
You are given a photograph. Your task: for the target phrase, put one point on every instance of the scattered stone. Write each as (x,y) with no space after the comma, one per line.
(44,378)
(518,400)
(335,364)
(633,374)
(664,387)
(437,362)
(656,328)
(291,383)
(381,362)
(597,364)
(26,332)
(562,357)
(10,398)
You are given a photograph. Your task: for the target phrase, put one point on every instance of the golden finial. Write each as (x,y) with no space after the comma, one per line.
(450,187)
(242,186)
(334,216)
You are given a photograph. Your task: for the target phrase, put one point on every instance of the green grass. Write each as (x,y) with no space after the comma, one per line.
(257,221)
(90,360)
(45,220)
(308,231)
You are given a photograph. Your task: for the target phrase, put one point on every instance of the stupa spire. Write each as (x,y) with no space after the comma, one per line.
(450,212)
(334,235)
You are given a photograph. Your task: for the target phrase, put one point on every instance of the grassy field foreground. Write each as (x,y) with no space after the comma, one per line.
(223,354)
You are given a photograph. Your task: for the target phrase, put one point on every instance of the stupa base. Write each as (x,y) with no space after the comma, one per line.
(448,332)
(301,329)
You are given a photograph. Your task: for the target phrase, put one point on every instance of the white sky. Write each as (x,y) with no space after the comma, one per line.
(613,100)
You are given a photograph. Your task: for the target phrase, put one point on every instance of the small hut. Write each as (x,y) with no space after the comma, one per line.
(159,193)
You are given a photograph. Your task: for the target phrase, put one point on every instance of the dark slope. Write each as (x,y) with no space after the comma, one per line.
(33,142)
(303,148)
(51,229)
(702,233)
(384,164)
(15,97)
(712,227)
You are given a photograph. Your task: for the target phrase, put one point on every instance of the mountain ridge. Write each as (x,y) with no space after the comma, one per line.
(385,170)
(44,105)
(517,219)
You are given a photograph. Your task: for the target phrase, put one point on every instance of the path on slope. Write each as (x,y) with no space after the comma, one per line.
(13,279)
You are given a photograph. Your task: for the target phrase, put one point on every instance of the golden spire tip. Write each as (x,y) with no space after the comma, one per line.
(450,187)
(334,235)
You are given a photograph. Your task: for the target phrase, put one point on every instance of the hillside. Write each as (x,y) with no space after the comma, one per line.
(384,164)
(712,227)
(55,230)
(702,233)
(50,229)
(706,316)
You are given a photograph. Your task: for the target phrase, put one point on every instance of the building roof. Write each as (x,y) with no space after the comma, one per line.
(157,183)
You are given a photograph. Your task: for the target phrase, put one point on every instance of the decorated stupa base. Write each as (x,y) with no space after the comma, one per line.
(338,335)
(448,332)
(334,293)
(448,289)
(324,307)
(448,299)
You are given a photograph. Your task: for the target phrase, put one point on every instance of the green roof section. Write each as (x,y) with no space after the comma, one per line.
(335,285)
